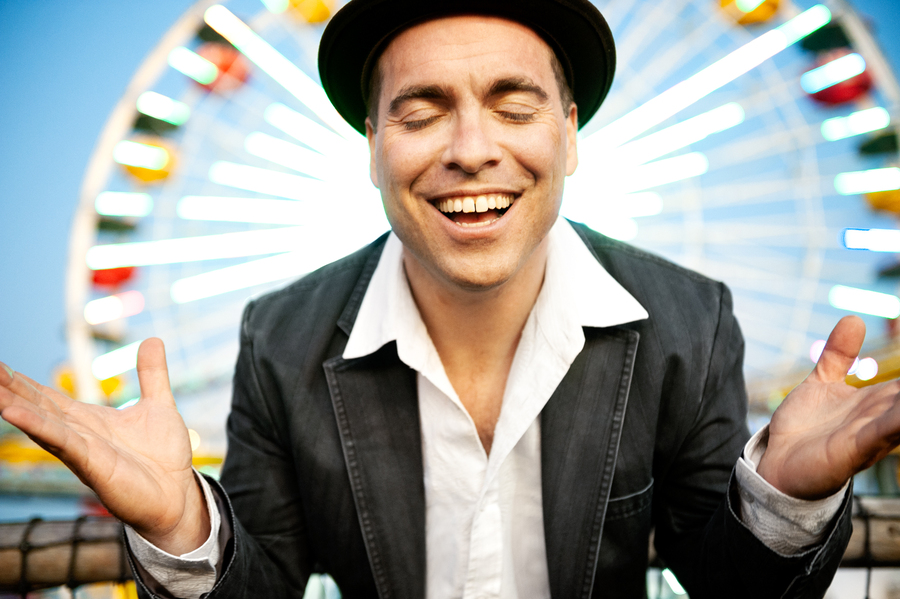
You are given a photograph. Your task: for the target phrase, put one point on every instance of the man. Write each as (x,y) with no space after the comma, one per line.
(489,402)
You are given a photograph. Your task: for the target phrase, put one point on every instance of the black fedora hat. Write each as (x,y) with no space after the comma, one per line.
(356,35)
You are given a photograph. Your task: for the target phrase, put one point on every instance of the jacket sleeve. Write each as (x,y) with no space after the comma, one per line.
(709,554)
(267,554)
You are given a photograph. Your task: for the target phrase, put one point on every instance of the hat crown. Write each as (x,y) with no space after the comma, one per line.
(358,33)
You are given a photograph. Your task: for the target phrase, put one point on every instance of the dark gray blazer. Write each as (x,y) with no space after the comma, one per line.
(324,464)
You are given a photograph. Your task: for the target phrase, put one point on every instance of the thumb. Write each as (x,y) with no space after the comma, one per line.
(841,350)
(153,374)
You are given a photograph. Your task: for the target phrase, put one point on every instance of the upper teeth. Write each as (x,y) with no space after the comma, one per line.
(475,203)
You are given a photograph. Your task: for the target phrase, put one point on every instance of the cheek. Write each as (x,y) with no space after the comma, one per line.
(402,161)
(542,153)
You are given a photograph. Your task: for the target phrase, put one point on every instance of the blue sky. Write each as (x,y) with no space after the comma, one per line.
(63,66)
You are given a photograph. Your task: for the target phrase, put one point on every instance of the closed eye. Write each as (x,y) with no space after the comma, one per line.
(419,123)
(518,117)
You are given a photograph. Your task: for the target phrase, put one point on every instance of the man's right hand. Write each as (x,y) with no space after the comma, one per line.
(137,460)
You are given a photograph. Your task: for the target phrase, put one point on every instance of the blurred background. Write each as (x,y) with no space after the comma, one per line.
(130,125)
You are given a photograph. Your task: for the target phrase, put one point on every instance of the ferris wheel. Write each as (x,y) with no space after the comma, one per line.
(730,143)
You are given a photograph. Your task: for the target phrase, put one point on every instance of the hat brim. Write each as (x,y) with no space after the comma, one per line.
(575,30)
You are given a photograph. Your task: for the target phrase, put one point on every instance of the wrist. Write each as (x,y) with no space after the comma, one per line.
(191,530)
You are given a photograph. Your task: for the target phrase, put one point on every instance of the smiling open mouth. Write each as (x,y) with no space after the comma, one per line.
(475,211)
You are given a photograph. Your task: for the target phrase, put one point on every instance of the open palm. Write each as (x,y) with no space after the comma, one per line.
(826,431)
(137,460)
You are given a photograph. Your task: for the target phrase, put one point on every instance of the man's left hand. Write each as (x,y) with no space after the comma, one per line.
(826,431)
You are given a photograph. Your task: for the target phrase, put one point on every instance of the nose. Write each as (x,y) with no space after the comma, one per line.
(472,145)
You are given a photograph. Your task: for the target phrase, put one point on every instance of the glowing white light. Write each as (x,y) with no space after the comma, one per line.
(805,23)
(645,203)
(115,362)
(716,75)
(132,153)
(193,65)
(290,155)
(614,217)
(120,203)
(244,210)
(874,240)
(868,368)
(276,6)
(583,202)
(315,254)
(748,5)
(163,108)
(669,170)
(673,582)
(681,135)
(862,121)
(815,350)
(623,229)
(854,366)
(306,130)
(864,301)
(241,276)
(839,69)
(194,436)
(191,249)
(267,181)
(128,403)
(282,70)
(112,307)
(878,179)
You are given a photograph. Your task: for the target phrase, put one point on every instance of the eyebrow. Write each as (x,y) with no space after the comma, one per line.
(517,84)
(424,92)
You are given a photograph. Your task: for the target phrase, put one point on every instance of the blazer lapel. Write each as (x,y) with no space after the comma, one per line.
(580,430)
(376,406)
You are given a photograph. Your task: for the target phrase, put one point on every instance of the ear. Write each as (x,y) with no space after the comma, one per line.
(370,137)
(572,139)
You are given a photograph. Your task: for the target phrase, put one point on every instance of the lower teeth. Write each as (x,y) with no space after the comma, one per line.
(481,224)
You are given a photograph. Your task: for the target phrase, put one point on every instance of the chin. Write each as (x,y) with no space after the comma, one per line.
(478,275)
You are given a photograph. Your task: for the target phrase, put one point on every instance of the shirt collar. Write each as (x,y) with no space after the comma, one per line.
(574,279)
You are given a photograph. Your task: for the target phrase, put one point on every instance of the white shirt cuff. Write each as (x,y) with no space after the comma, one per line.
(188,575)
(783,523)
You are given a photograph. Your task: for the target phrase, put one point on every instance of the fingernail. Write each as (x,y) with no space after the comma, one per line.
(8,370)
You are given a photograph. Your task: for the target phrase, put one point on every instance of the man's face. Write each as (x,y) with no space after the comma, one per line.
(469,116)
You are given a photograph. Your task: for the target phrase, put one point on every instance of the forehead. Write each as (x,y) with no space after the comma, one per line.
(476,44)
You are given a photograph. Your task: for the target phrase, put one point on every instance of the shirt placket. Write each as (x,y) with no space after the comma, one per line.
(485,569)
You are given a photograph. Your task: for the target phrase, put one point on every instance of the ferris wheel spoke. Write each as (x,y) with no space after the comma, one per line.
(202,366)
(729,194)
(197,328)
(757,147)
(729,234)
(645,82)
(704,82)
(278,67)
(652,25)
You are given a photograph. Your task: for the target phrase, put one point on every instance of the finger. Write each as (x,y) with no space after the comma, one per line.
(841,350)
(9,399)
(39,395)
(882,432)
(60,399)
(153,374)
(49,433)
(6,374)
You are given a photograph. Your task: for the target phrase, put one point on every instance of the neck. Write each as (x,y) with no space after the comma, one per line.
(470,325)
(476,332)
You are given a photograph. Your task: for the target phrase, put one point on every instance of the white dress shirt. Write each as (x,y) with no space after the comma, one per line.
(484,523)
(483,513)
